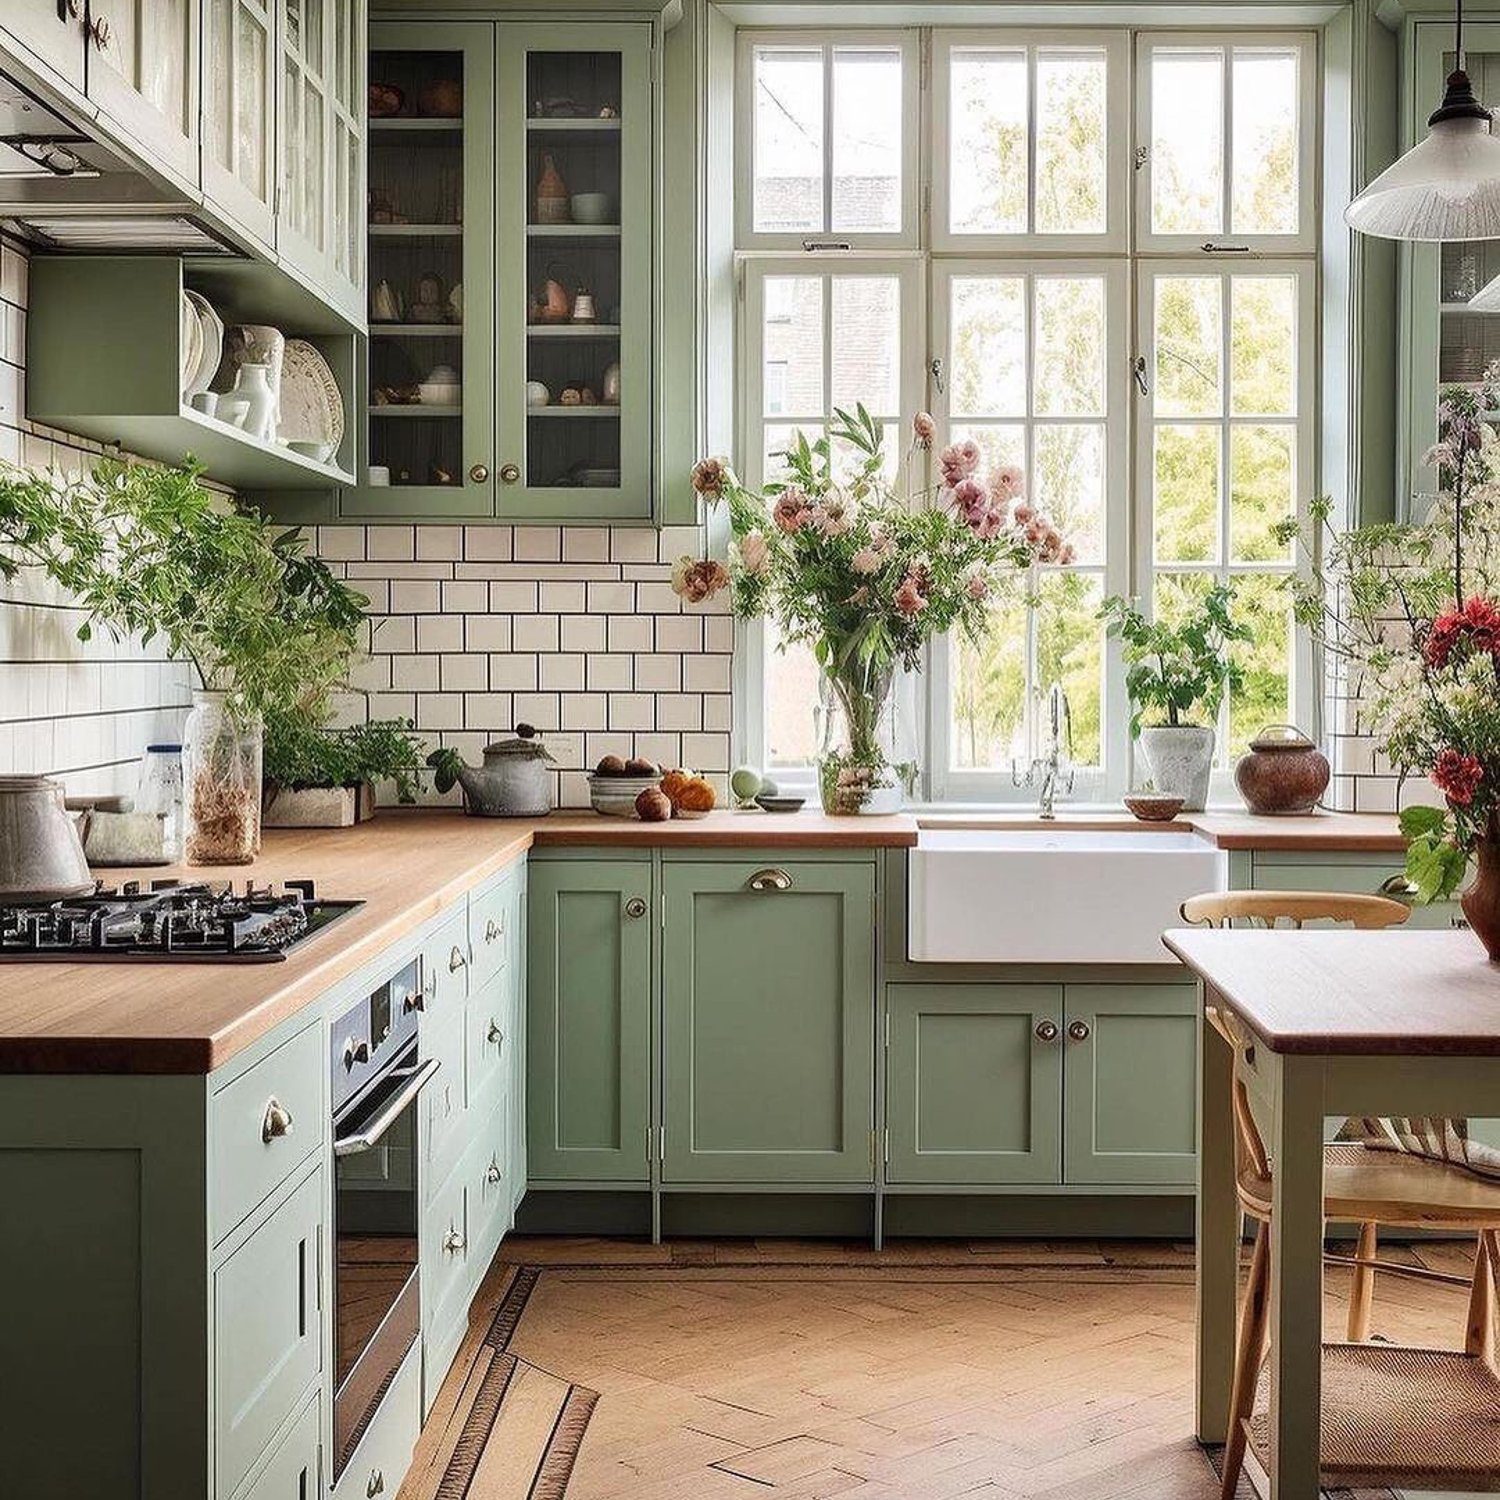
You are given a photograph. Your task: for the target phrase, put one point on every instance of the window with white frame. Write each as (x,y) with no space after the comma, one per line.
(1135,328)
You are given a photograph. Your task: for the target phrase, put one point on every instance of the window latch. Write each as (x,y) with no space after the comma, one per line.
(1212,247)
(938,371)
(1138,369)
(825,244)
(1140,157)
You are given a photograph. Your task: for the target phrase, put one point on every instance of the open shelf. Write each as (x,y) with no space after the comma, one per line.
(403,125)
(573,231)
(415,231)
(572,330)
(416,409)
(416,330)
(573,411)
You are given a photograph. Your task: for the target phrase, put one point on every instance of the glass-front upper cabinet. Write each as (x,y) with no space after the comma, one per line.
(143,73)
(1454,288)
(430,367)
(574,237)
(239,87)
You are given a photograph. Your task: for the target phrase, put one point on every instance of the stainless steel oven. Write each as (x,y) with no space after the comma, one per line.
(376,1075)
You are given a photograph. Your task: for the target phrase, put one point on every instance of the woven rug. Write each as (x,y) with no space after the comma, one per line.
(801,1380)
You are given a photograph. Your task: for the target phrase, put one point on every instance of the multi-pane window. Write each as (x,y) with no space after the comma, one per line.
(1161,408)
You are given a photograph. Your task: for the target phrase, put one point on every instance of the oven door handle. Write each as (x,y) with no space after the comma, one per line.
(369,1137)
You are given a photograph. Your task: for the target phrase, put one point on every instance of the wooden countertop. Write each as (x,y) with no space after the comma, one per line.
(406,865)
(1342,993)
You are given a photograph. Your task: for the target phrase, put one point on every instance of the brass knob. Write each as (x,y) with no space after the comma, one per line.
(635,907)
(492,1172)
(453,1242)
(494,1035)
(100,32)
(456,960)
(1080,1031)
(376,1485)
(479,473)
(277,1122)
(510,473)
(1046,1031)
(770,880)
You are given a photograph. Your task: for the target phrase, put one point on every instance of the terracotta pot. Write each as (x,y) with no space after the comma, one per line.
(1283,773)
(1481,901)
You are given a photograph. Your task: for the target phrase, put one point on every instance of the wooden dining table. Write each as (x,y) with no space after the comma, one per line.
(1336,1023)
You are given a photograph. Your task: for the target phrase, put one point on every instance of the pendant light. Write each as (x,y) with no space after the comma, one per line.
(1447,187)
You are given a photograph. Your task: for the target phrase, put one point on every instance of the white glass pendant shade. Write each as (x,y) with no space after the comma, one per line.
(1447,187)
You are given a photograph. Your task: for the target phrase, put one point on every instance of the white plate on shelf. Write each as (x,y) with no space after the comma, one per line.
(211,340)
(312,407)
(190,343)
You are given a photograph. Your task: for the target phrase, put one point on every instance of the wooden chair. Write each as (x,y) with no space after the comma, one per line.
(1360,1186)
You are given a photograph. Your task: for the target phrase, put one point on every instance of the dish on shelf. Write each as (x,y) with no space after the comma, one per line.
(250,344)
(190,343)
(592,208)
(312,407)
(774,804)
(321,452)
(211,342)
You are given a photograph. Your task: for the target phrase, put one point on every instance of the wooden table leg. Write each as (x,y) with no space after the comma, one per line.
(1218,1223)
(1296,1152)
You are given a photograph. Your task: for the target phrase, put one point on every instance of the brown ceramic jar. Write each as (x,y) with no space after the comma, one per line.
(1282,773)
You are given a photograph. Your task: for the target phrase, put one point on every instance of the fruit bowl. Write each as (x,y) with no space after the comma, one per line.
(614,796)
(1154,807)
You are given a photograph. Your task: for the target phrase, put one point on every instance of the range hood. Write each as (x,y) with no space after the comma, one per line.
(61,188)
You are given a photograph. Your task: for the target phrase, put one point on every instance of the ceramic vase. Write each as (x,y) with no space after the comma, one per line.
(253,384)
(1181,758)
(1481,901)
(552,202)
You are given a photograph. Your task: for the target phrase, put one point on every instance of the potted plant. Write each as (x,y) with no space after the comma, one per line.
(865,576)
(320,777)
(1174,672)
(1411,615)
(148,551)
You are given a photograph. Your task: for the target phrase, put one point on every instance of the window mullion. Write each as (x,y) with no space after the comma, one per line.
(828,74)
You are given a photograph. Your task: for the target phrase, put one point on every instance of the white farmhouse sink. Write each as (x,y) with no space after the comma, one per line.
(1052,895)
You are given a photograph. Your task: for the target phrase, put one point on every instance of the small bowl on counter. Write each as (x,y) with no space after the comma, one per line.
(614,796)
(1153,807)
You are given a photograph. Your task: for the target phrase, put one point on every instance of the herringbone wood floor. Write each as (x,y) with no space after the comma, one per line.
(802,1369)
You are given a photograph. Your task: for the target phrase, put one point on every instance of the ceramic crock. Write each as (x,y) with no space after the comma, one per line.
(41,853)
(1283,773)
(1181,758)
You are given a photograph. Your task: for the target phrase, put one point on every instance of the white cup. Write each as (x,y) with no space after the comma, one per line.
(379,475)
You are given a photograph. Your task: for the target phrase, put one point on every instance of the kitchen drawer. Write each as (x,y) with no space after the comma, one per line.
(443,1036)
(491,1177)
(1366,875)
(379,1463)
(445,1249)
(263,1124)
(494,927)
(445,972)
(293,1471)
(492,1039)
(268,1345)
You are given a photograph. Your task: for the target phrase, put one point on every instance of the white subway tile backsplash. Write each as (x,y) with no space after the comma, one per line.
(391,543)
(561,673)
(562,598)
(440,633)
(513,673)
(416,597)
(582,633)
(541,544)
(585,544)
(630,633)
(610,673)
(535,632)
(440,543)
(462,597)
(462,673)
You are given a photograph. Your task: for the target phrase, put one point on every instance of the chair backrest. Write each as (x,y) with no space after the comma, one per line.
(1266,909)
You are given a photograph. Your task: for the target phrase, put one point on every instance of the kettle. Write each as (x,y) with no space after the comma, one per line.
(515,780)
(41,853)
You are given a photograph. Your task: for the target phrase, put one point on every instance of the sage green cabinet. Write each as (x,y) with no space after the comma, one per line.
(974,1083)
(588,1020)
(768,1000)
(239,114)
(1130,1083)
(143,70)
(1357,873)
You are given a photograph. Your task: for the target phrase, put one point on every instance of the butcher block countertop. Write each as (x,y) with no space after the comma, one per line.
(1336,992)
(405,865)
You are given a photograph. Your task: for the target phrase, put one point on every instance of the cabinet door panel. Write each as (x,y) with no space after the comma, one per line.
(769,1024)
(56,40)
(1131,1083)
(588,1025)
(1366,876)
(239,143)
(143,74)
(973,1095)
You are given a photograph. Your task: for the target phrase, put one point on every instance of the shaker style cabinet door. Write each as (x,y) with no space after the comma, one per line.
(142,65)
(588,1020)
(429,371)
(1131,1083)
(574,228)
(768,994)
(239,120)
(51,31)
(974,1083)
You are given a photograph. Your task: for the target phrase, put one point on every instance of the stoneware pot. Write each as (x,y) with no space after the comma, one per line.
(317,806)
(1481,901)
(1181,759)
(41,853)
(1283,773)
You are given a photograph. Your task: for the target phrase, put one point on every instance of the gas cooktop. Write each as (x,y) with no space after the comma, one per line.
(170,921)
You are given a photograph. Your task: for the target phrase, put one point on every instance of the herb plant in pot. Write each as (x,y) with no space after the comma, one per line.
(320,777)
(1174,672)
(149,552)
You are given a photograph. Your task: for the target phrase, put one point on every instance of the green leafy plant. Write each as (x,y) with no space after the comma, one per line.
(1173,670)
(150,551)
(299,754)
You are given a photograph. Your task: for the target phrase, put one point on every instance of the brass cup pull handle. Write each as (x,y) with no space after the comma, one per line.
(1398,886)
(509,473)
(635,907)
(770,880)
(1080,1031)
(491,932)
(479,473)
(1046,1031)
(492,1173)
(100,31)
(453,1242)
(276,1123)
(494,1036)
(376,1485)
(456,960)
